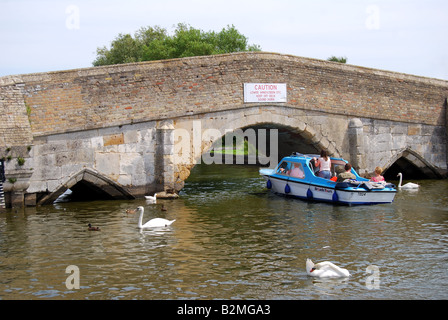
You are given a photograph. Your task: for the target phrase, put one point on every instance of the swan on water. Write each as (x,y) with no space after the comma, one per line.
(325,269)
(151,199)
(153,223)
(408,185)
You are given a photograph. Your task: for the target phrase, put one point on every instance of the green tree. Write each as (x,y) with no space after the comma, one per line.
(338,59)
(154,43)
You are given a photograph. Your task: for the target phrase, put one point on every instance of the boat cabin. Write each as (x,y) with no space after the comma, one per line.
(300,166)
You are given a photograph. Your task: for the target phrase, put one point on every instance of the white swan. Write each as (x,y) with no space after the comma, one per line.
(325,269)
(153,223)
(408,185)
(151,199)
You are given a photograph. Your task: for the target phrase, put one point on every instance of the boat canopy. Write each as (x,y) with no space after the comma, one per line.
(301,166)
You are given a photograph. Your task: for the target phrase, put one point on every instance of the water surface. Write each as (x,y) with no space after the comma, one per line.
(232,239)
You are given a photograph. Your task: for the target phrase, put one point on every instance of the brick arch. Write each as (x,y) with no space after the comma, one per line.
(95,181)
(280,117)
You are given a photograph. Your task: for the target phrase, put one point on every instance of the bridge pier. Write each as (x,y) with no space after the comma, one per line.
(15,190)
(165,159)
(356,143)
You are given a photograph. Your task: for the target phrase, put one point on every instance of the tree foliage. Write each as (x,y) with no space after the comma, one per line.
(338,59)
(154,43)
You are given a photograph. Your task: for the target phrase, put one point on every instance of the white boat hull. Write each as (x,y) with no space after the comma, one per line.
(326,194)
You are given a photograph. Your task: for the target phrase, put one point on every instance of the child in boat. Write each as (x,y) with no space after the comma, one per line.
(377,177)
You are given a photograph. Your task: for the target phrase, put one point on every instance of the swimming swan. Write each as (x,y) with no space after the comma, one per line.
(151,199)
(408,185)
(325,269)
(153,223)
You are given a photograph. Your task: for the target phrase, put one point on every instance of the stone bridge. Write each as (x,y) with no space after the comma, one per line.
(124,131)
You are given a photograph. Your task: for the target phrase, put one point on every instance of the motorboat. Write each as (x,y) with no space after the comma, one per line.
(296,176)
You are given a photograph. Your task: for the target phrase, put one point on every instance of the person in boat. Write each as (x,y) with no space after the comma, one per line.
(324,165)
(283,169)
(347,174)
(297,171)
(377,177)
(314,165)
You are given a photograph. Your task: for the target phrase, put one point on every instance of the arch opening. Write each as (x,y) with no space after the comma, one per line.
(412,166)
(87,185)
(289,140)
(261,141)
(403,165)
(285,140)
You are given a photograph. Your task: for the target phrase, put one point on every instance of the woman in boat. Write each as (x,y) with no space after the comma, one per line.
(324,165)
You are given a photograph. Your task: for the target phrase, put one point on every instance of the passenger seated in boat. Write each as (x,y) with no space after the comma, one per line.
(297,171)
(347,174)
(377,177)
(283,168)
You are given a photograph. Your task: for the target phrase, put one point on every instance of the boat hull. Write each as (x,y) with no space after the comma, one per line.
(347,195)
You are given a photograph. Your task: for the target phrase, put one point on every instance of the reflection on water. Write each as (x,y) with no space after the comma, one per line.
(231,240)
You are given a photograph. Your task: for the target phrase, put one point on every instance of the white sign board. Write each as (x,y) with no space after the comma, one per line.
(265,92)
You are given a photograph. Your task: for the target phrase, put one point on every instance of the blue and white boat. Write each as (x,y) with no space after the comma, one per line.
(295,176)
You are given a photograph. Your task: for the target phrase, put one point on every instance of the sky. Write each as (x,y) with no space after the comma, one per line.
(396,35)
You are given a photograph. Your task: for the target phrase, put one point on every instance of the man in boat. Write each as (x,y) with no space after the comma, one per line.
(347,174)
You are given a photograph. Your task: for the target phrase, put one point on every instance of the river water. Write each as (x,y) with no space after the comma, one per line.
(232,239)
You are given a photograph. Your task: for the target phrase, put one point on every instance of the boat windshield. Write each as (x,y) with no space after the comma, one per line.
(337,167)
(291,169)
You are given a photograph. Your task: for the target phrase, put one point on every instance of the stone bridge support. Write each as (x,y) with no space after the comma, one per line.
(165,163)
(356,141)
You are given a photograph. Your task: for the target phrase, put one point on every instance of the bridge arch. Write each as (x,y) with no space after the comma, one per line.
(88,184)
(411,164)
(296,133)
(284,118)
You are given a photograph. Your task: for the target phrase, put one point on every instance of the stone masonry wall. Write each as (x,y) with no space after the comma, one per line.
(115,95)
(15,129)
